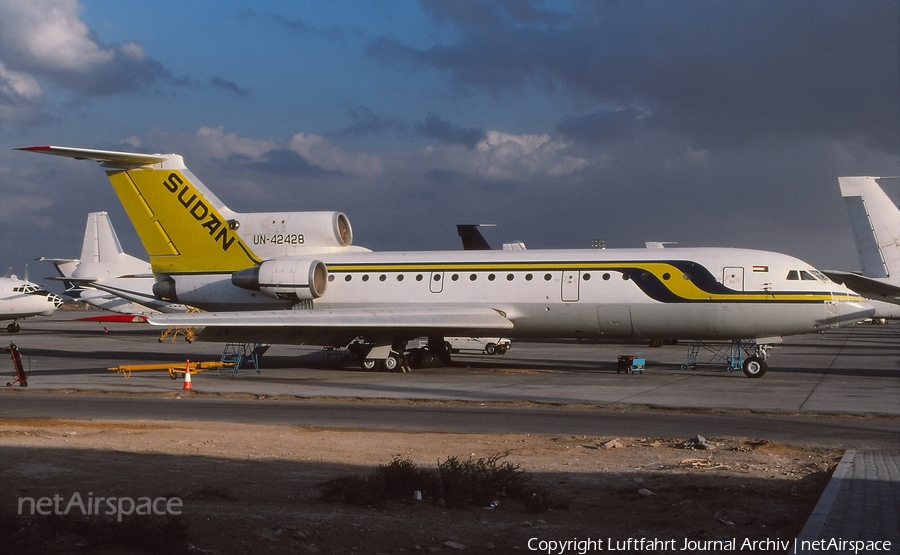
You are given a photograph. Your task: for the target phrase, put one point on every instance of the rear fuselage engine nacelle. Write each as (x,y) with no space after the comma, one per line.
(285,234)
(290,279)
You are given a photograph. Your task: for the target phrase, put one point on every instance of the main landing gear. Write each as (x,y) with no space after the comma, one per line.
(394,362)
(396,358)
(733,354)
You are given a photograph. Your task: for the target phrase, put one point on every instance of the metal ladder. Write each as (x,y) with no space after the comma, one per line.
(238,353)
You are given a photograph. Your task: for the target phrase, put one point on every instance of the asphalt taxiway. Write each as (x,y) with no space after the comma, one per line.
(849,371)
(840,388)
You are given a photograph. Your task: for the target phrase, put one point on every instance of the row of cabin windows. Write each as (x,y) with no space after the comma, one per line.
(509,277)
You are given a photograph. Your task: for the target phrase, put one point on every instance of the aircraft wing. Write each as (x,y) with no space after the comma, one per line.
(138,297)
(867,287)
(424,318)
(74,280)
(337,326)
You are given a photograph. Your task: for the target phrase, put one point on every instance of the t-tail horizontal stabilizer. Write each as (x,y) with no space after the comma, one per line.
(183,226)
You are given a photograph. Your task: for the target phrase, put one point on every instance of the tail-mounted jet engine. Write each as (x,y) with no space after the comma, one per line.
(291,279)
(276,234)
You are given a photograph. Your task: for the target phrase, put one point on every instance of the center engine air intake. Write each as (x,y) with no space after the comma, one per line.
(294,279)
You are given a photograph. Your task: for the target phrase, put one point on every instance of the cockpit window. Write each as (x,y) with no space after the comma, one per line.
(27,288)
(806,275)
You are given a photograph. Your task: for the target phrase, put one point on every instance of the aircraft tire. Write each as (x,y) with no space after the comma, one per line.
(416,358)
(442,352)
(13,328)
(755,367)
(392,363)
(369,364)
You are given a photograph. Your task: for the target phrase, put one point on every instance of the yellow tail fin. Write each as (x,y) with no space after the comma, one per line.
(179,221)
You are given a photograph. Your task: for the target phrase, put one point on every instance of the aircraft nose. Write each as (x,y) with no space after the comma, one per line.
(57,302)
(851,312)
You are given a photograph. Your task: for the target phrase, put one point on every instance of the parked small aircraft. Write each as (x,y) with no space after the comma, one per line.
(20,298)
(300,282)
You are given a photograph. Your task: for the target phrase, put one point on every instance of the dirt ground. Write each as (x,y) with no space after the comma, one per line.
(257,489)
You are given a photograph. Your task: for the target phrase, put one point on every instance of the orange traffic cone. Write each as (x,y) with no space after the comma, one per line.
(187,376)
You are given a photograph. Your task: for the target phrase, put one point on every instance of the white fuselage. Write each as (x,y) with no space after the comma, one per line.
(21,299)
(696,293)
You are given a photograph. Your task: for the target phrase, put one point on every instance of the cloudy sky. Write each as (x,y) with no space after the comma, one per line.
(708,123)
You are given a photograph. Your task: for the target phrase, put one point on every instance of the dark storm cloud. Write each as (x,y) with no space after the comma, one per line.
(433,127)
(719,73)
(292,24)
(126,69)
(366,122)
(288,163)
(229,86)
(482,14)
(121,74)
(16,110)
(603,127)
(441,176)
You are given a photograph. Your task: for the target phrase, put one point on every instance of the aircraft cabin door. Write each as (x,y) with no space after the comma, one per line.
(571,280)
(437,282)
(733,278)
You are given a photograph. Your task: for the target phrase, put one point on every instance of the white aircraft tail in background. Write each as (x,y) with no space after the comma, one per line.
(875,220)
(108,278)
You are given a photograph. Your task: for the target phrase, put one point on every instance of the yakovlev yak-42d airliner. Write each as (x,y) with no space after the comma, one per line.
(259,266)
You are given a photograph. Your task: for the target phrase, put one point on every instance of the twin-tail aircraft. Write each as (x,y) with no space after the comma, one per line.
(295,278)
(20,298)
(107,277)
